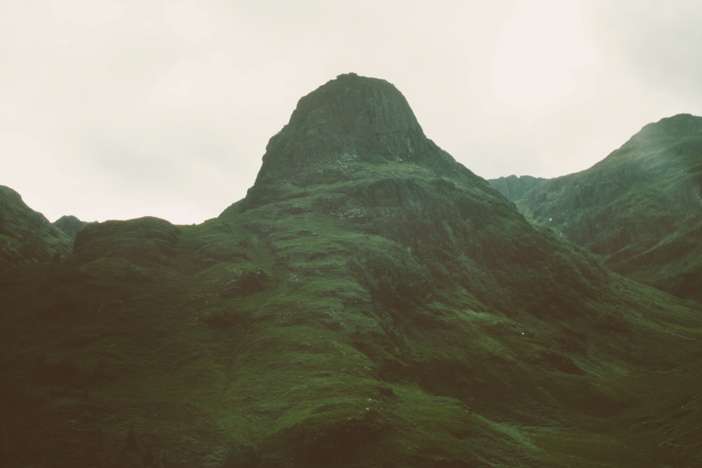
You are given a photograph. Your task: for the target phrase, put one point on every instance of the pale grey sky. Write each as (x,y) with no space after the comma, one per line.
(115,109)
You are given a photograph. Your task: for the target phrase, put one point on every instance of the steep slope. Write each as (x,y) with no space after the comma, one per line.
(25,235)
(371,302)
(641,207)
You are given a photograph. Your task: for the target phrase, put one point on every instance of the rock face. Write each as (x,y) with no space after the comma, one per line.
(350,119)
(641,207)
(25,235)
(371,302)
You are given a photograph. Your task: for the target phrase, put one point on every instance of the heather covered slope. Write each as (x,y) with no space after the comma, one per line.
(376,306)
(641,207)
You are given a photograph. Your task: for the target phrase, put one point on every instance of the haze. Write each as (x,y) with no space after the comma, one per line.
(121,109)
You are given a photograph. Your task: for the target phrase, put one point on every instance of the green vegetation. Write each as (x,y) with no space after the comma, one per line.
(394,313)
(349,327)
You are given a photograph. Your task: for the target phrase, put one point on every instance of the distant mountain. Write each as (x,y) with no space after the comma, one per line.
(641,207)
(25,235)
(70,225)
(514,187)
(370,302)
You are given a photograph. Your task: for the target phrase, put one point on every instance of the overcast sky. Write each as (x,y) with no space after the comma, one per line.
(116,109)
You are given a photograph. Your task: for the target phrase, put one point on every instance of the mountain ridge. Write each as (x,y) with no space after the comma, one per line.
(348,120)
(383,310)
(640,207)
(514,187)
(26,235)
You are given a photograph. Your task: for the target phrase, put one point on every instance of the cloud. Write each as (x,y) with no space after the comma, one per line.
(655,43)
(546,56)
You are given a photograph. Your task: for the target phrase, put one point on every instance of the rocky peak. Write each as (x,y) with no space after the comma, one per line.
(70,225)
(350,119)
(349,115)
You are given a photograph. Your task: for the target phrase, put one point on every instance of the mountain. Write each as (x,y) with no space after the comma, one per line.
(514,187)
(370,302)
(70,225)
(641,207)
(25,235)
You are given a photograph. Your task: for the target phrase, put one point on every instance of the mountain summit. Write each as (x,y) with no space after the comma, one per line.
(352,114)
(348,119)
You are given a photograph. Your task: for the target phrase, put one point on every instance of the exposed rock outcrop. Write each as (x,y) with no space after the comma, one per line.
(349,120)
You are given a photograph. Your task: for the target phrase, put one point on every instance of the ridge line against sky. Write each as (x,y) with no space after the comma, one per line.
(116,109)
